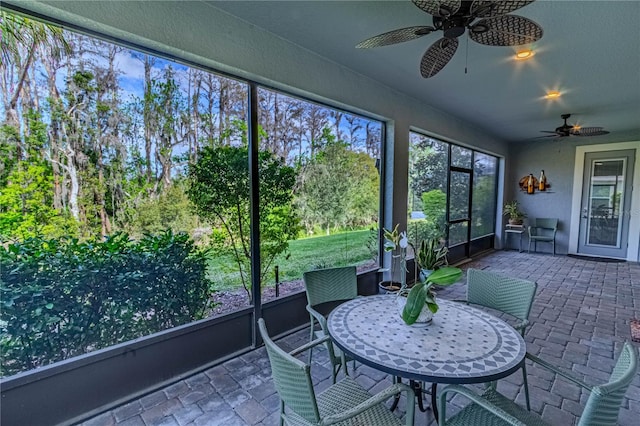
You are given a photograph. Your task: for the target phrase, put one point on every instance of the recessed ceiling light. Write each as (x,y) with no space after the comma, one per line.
(524,54)
(552,94)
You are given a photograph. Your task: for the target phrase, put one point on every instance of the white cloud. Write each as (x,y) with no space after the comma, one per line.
(129,65)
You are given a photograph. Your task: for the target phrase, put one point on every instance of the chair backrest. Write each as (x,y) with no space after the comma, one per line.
(603,405)
(292,379)
(546,223)
(326,285)
(511,295)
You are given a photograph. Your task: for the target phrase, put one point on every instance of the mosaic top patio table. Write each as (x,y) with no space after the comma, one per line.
(462,344)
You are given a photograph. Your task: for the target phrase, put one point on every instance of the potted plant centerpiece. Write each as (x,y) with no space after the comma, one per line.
(395,242)
(512,210)
(418,304)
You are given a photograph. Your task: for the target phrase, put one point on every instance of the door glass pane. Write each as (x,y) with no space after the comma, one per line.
(458,233)
(459,193)
(483,209)
(460,157)
(605,198)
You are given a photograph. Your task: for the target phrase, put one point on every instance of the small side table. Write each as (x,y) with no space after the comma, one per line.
(514,229)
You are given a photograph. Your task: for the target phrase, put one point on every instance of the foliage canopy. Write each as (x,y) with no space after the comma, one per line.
(219,190)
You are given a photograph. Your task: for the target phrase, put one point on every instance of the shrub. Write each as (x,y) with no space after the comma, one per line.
(422,229)
(62,298)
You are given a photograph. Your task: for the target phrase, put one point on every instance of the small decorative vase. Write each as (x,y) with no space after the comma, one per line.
(424,318)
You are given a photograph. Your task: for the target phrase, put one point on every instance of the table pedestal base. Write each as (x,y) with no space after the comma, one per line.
(417,389)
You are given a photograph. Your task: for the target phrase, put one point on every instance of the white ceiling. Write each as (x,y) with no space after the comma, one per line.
(590,51)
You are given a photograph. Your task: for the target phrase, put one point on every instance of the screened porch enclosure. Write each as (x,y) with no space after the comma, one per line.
(168,158)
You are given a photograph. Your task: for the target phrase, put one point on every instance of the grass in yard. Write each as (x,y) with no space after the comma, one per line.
(348,248)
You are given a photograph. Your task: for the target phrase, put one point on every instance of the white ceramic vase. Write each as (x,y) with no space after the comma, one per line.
(424,318)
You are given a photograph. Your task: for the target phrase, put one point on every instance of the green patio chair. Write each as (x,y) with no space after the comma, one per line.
(543,230)
(513,296)
(492,408)
(325,288)
(343,403)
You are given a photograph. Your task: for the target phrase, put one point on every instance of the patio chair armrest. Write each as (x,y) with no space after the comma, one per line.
(519,327)
(568,376)
(318,317)
(310,345)
(374,400)
(478,400)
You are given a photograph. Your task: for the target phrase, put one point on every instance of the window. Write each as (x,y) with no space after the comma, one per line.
(335,186)
(467,217)
(428,182)
(125,193)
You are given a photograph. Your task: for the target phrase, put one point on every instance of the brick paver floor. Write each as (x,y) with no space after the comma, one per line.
(580,317)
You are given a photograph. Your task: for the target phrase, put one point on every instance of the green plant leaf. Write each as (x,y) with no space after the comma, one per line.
(415,303)
(433,307)
(445,276)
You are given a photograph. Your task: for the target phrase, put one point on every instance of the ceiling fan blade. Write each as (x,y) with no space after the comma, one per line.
(548,131)
(547,136)
(506,30)
(437,56)
(487,8)
(440,8)
(395,36)
(589,131)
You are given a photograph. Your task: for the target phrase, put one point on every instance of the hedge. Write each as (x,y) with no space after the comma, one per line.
(62,298)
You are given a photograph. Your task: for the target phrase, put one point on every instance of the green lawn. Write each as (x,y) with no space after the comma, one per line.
(348,248)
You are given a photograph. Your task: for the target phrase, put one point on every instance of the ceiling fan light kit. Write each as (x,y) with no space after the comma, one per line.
(522,55)
(488,23)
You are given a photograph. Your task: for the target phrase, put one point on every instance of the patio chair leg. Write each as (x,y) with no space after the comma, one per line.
(529,247)
(311,339)
(344,364)
(526,386)
(281,413)
(396,398)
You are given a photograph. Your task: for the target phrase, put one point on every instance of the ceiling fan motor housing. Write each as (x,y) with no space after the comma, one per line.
(453,27)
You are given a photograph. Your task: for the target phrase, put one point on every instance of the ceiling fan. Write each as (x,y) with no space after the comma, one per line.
(573,130)
(487,22)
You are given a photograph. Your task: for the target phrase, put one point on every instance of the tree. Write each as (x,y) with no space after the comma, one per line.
(219,189)
(337,187)
(26,198)
(21,38)
(23,42)
(279,116)
(429,165)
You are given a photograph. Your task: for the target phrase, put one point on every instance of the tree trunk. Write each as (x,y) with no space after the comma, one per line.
(74,208)
(51,68)
(147,115)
